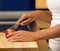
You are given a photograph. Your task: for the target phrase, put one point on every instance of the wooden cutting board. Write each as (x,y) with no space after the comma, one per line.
(5,45)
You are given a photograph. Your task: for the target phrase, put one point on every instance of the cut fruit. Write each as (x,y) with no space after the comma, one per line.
(9,31)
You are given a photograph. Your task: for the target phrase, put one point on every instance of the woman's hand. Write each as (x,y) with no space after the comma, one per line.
(22,36)
(27,18)
(33,15)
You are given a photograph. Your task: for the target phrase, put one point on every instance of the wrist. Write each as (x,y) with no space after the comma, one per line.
(36,35)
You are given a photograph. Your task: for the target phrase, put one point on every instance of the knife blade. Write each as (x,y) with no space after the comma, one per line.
(15,26)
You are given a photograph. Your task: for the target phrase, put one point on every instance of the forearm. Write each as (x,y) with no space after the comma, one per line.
(43,15)
(50,33)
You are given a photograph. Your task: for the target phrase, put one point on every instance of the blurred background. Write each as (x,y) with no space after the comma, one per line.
(11,10)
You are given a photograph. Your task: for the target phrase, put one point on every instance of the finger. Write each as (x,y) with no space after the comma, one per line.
(21,40)
(26,22)
(15,33)
(15,38)
(22,18)
(11,34)
(18,38)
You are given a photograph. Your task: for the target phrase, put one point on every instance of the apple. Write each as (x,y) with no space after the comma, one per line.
(9,31)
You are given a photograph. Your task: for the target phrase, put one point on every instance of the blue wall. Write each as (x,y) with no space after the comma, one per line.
(15,5)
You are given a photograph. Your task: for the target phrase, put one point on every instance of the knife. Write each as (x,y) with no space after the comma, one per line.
(16,25)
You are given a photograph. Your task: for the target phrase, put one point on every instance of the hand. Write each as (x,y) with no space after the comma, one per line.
(27,18)
(22,36)
(33,15)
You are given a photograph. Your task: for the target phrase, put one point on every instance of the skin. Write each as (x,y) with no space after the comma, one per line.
(33,15)
(37,35)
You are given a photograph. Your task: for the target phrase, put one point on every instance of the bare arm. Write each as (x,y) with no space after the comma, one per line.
(43,15)
(53,32)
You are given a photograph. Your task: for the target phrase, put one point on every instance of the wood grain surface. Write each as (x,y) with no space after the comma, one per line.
(22,46)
